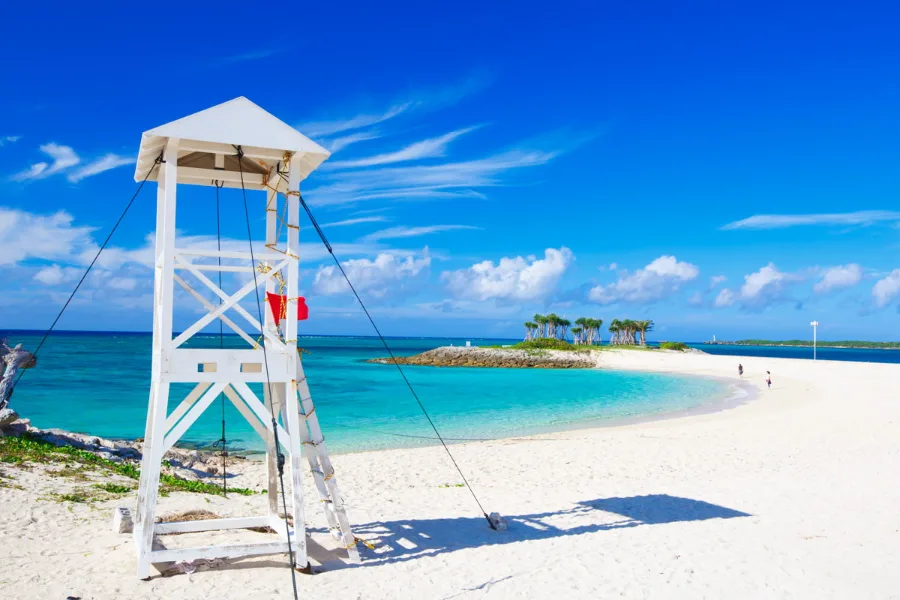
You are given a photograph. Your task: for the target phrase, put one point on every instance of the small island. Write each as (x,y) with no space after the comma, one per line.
(545,346)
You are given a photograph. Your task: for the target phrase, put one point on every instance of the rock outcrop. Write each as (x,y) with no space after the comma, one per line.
(461,356)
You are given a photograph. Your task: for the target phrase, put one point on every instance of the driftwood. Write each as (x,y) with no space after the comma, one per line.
(14,360)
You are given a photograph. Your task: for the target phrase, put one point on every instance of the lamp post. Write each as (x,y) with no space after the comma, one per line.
(815,325)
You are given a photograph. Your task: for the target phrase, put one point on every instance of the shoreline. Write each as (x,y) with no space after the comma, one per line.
(733,395)
(726,503)
(736,393)
(739,395)
(810,345)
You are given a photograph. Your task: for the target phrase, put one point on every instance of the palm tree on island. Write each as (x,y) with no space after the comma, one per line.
(623,332)
(643,327)
(541,321)
(553,326)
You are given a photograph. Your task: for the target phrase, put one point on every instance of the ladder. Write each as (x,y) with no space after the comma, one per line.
(316,454)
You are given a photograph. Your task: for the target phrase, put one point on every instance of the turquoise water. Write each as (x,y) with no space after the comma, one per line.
(97,383)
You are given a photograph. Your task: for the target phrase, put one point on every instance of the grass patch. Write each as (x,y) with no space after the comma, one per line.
(544,344)
(25,449)
(680,346)
(114,488)
(6,481)
(71,472)
(548,344)
(78,497)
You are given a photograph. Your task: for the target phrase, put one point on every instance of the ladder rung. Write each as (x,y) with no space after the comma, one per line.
(321,474)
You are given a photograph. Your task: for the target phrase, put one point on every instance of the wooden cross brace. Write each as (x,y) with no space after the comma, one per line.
(228,302)
(196,402)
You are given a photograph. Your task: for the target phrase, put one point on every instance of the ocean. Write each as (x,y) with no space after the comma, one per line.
(98,383)
(842,354)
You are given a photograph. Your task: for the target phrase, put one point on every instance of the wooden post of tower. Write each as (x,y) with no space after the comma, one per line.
(237,145)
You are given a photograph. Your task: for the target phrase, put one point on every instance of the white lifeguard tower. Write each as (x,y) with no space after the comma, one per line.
(238,145)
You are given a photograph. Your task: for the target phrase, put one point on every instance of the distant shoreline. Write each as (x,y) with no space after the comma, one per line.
(845,345)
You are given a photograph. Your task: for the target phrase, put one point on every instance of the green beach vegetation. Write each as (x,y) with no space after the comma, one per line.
(680,346)
(548,344)
(25,451)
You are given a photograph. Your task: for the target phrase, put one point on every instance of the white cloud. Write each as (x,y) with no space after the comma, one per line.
(761,288)
(32,172)
(842,276)
(338,194)
(756,283)
(64,161)
(515,278)
(123,283)
(887,289)
(327,128)
(54,274)
(765,284)
(338,144)
(63,158)
(371,211)
(715,280)
(252,55)
(864,217)
(25,236)
(447,180)
(105,163)
(658,280)
(9,139)
(696,299)
(424,149)
(403,231)
(355,221)
(473,173)
(429,99)
(55,238)
(724,298)
(385,274)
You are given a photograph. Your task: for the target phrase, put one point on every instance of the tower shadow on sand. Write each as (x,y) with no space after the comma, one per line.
(398,541)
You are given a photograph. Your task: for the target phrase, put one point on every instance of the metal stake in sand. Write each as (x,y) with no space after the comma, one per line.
(234,145)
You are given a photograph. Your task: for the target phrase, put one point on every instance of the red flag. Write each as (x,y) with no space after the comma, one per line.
(279,307)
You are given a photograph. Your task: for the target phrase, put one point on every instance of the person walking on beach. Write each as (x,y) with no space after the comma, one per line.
(740,370)
(768,379)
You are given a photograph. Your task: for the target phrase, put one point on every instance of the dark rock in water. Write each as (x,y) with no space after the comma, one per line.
(8,416)
(16,428)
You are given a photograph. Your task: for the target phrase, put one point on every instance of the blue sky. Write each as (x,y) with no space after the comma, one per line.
(720,170)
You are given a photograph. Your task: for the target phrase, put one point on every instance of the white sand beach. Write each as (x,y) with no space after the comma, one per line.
(793,494)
